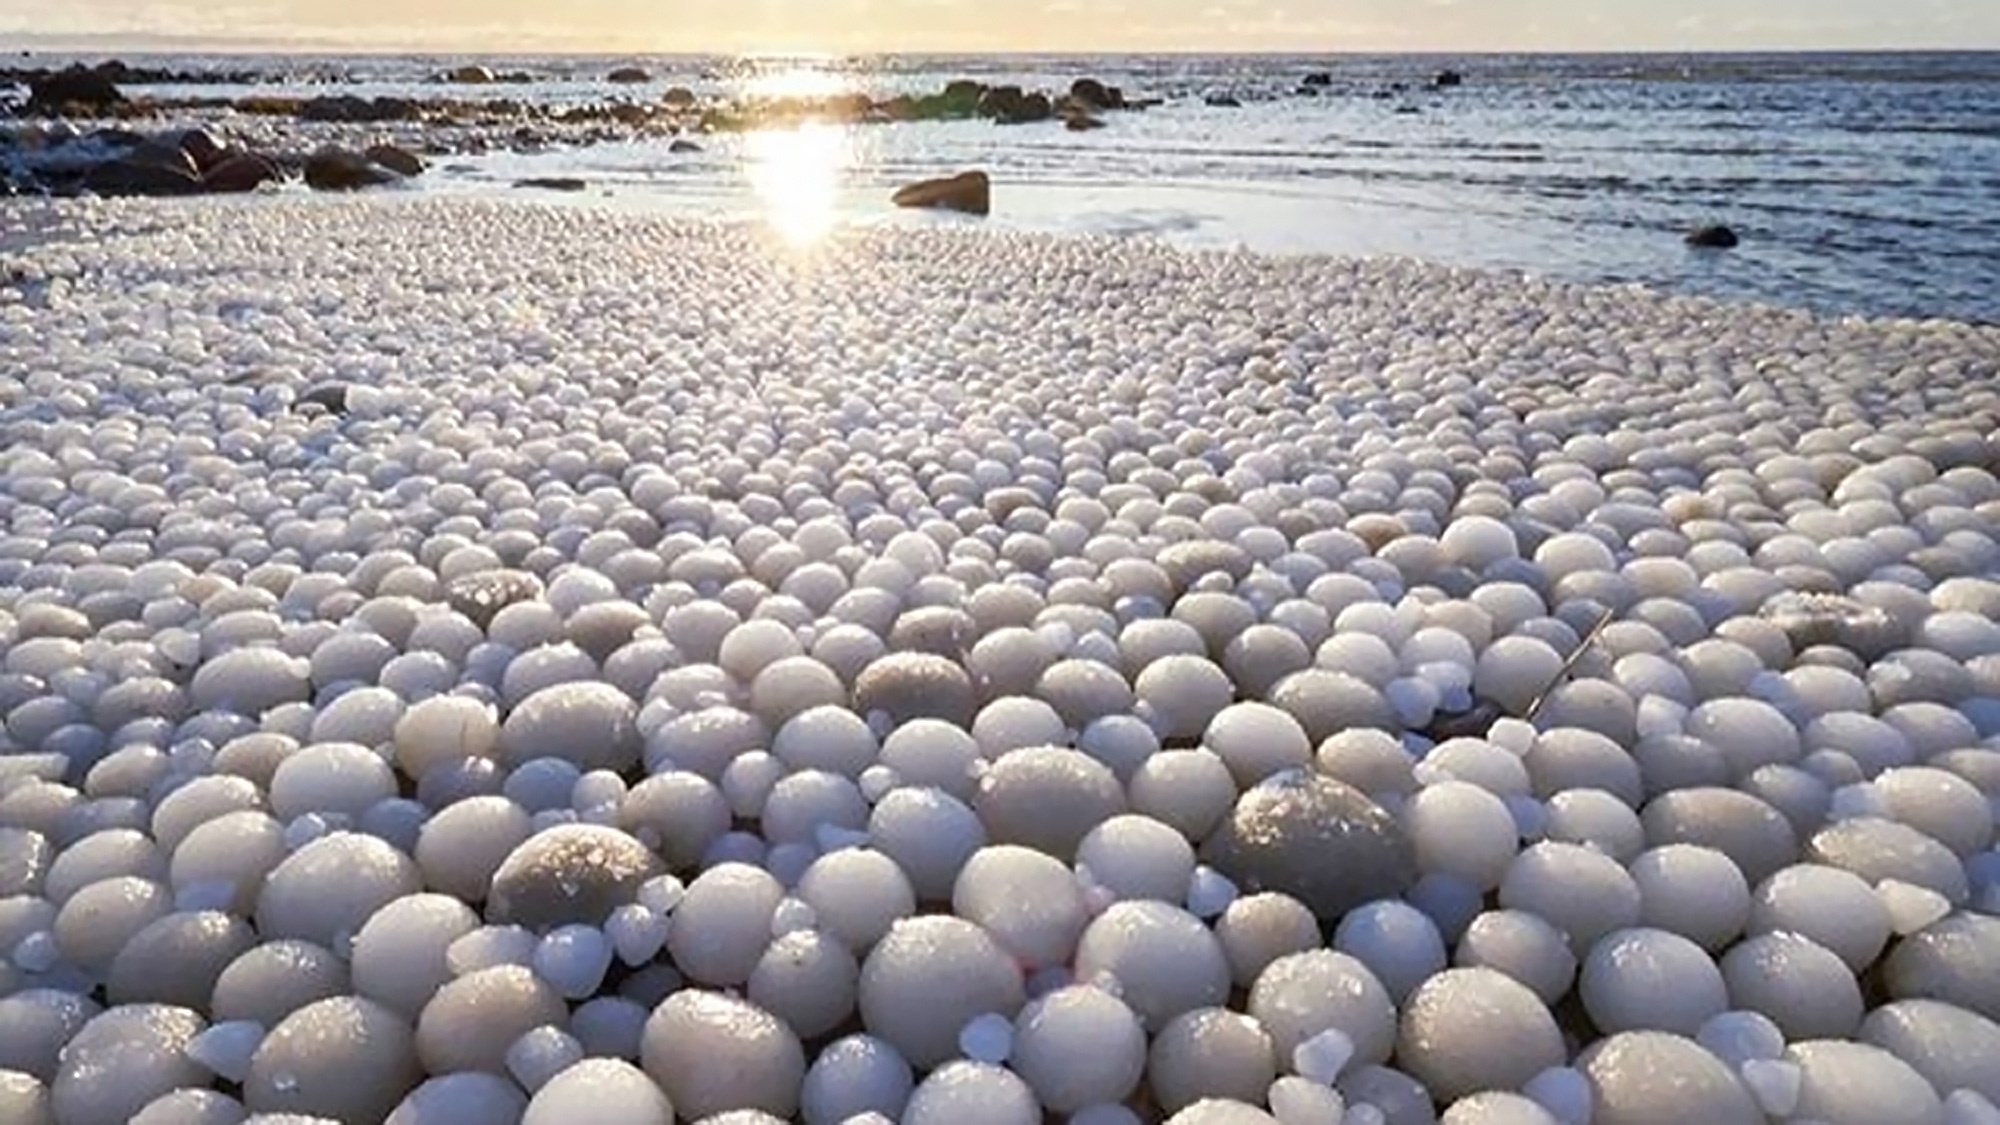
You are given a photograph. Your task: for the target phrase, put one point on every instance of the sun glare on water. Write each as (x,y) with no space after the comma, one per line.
(796,169)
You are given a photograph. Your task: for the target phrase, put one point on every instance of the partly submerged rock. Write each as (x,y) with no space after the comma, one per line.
(1093,94)
(569,874)
(396,159)
(244,171)
(1319,840)
(967,192)
(339,169)
(553,183)
(472,76)
(75,89)
(1714,236)
(128,176)
(629,76)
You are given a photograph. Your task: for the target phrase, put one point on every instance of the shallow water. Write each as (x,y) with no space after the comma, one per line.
(1861,183)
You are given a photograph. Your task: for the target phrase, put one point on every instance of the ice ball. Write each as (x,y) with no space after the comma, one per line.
(1466,1030)
(1657,1078)
(972,1093)
(1311,837)
(571,873)
(1305,994)
(345,1057)
(930,976)
(122,1059)
(1047,798)
(1650,980)
(712,1053)
(607,1091)
(471,1022)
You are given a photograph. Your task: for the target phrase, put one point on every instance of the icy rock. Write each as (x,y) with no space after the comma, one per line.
(712,1054)
(1315,839)
(345,1057)
(602,1091)
(570,874)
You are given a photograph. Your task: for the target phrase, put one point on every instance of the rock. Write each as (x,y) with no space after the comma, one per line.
(1714,236)
(349,108)
(482,594)
(679,97)
(202,147)
(1320,78)
(682,144)
(1092,94)
(401,161)
(126,176)
(339,169)
(967,192)
(75,89)
(1446,79)
(1009,105)
(1223,101)
(472,76)
(1079,122)
(1319,840)
(572,873)
(244,171)
(553,183)
(331,397)
(166,156)
(628,75)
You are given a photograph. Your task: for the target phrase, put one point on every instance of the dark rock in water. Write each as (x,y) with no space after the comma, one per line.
(679,97)
(572,874)
(1010,105)
(915,685)
(1446,79)
(245,171)
(628,75)
(1321,78)
(967,192)
(682,144)
(331,397)
(964,91)
(75,89)
(129,176)
(479,596)
(350,108)
(1713,237)
(399,160)
(553,183)
(1077,121)
(472,76)
(106,138)
(1222,101)
(1091,93)
(202,147)
(339,169)
(1316,839)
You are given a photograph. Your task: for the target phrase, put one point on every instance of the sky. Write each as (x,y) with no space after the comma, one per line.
(703,26)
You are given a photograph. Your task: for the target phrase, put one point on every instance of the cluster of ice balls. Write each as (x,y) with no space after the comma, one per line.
(967,679)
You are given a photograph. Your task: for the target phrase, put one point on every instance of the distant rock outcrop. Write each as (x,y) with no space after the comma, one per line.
(629,76)
(77,89)
(1446,79)
(339,169)
(970,193)
(1713,236)
(472,76)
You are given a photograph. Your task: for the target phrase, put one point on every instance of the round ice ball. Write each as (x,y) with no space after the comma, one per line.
(1845,1083)
(1047,798)
(1523,946)
(1512,1039)
(1650,980)
(1182,694)
(398,957)
(1160,960)
(1800,984)
(1077,1047)
(712,1053)
(23,1099)
(1187,790)
(856,1075)
(1223,1111)
(444,728)
(1459,829)
(1256,930)
(463,1096)
(346,1057)
(1210,1053)
(181,1107)
(972,1093)
(1497,1107)
(1305,995)
(1950,960)
(327,889)
(929,977)
(571,873)
(723,923)
(122,1059)
(807,979)
(99,921)
(590,724)
(926,753)
(929,834)
(1657,1078)
(35,1024)
(1950,1046)
(1137,857)
(1399,944)
(1028,901)
(1834,908)
(1693,891)
(1582,892)
(1256,740)
(1315,839)
(471,1022)
(177,958)
(856,894)
(915,685)
(271,981)
(462,845)
(605,1091)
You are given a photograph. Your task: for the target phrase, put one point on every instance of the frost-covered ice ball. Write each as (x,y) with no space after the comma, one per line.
(1182,694)
(712,1053)
(929,834)
(345,1057)
(398,957)
(856,1075)
(1256,930)
(1523,946)
(1312,837)
(1656,1078)
(1160,960)
(1047,798)
(1950,960)
(250,682)
(1083,691)
(1307,994)
(1187,790)
(1137,857)
(1800,984)
(1225,1111)
(468,1095)
(122,1059)
(1877,849)
(97,922)
(1029,902)
(35,1023)
(1210,1053)
(590,724)
(926,753)
(1696,892)
(462,845)
(1466,1030)
(678,814)
(275,979)
(177,958)
(1257,740)
(1077,1047)
(325,891)
(1940,804)
(571,873)
(1846,1083)
(972,1093)
(1462,830)
(444,728)
(1328,702)
(1835,908)
(1951,1046)
(1497,1107)
(807,979)
(603,1091)
(928,978)
(471,1022)
(856,894)
(183,1107)
(723,923)
(1755,836)
(915,685)
(1650,980)
(1582,892)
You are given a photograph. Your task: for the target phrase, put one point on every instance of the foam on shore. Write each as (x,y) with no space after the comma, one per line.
(468,660)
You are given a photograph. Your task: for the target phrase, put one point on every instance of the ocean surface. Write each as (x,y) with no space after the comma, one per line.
(1860,183)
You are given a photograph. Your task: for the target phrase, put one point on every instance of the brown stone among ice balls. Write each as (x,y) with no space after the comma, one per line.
(1316,839)
(915,685)
(572,873)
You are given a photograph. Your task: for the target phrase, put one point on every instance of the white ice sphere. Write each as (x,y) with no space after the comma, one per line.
(1514,671)
(1164,960)
(605,1091)
(856,1075)
(1136,857)
(1398,943)
(1301,995)
(712,1053)
(930,835)
(472,1021)
(1655,1078)
(856,894)
(1078,1047)
(677,814)
(1846,1083)
(1030,903)
(181,1107)
(1303,1101)
(573,959)
(1477,542)
(1947,1044)
(1835,908)
(1696,892)
(1737,1037)
(1210,1053)
(930,976)
(1650,980)
(331,777)
(1047,798)
(1258,929)
(1256,740)
(1500,1107)
(1182,694)
(934,754)
(808,979)
(1940,804)
(122,1059)
(34,1026)
(637,933)
(1564,1092)
(462,1096)
(345,1058)
(1949,961)
(1015,723)
(226,1048)
(442,729)
(1582,892)
(826,738)
(540,1054)
(1466,1030)
(1800,984)
(1188,790)
(460,848)
(249,681)
(1231,1111)
(971,1093)
(1122,742)
(398,958)
(592,725)
(97,922)
(327,890)
(273,980)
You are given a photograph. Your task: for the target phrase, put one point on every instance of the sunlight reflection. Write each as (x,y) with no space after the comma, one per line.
(797,174)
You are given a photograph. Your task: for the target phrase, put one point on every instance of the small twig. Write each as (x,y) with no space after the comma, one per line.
(1569,665)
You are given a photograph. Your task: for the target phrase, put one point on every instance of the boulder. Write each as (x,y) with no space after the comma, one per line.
(679,97)
(1714,236)
(127,176)
(241,172)
(73,90)
(1077,121)
(1316,839)
(166,155)
(967,192)
(1446,79)
(1092,94)
(1320,78)
(399,160)
(1222,101)
(339,169)
(552,183)
(1009,105)
(472,76)
(964,90)
(682,144)
(628,75)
